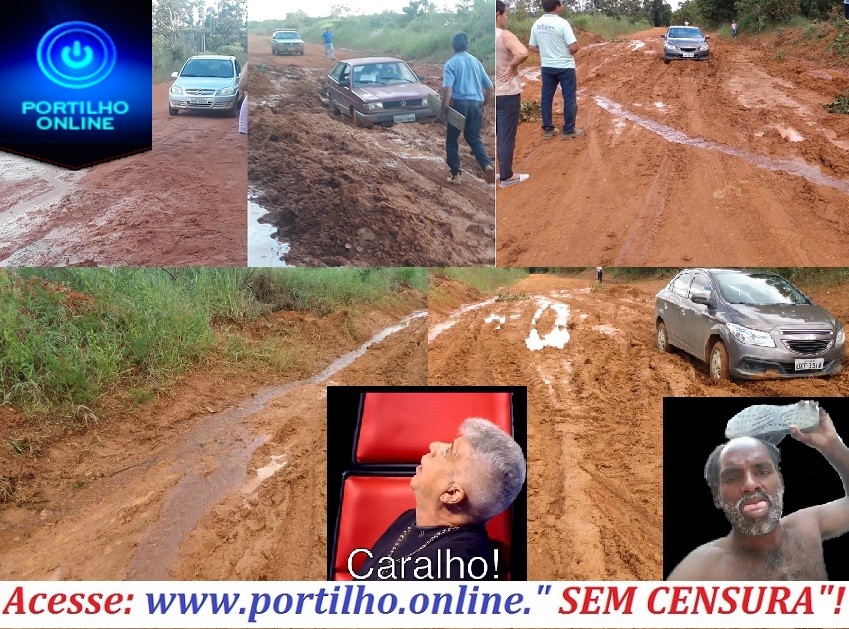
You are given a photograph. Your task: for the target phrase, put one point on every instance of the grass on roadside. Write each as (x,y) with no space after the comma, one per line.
(485,279)
(70,336)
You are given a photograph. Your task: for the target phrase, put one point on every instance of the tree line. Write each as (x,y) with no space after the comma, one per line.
(182,28)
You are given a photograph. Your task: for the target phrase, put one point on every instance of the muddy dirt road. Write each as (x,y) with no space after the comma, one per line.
(213,482)
(181,204)
(733,161)
(339,195)
(595,394)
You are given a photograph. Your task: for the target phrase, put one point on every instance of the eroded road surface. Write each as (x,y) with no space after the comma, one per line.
(235,493)
(338,195)
(181,204)
(733,161)
(595,395)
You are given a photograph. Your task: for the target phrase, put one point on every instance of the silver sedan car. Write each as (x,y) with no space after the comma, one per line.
(206,83)
(748,324)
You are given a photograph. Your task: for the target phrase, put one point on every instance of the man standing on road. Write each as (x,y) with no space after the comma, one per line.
(746,484)
(466,88)
(734,28)
(553,39)
(327,37)
(509,54)
(599,274)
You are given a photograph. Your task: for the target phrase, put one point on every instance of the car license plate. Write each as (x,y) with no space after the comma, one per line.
(199,101)
(405,118)
(805,364)
(688,55)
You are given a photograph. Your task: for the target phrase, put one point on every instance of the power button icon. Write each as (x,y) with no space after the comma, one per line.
(76,54)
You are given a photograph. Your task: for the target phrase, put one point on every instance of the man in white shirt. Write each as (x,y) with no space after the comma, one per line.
(553,39)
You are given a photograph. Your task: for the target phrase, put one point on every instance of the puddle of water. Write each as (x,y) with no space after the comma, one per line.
(558,336)
(584,316)
(636,45)
(789,133)
(212,461)
(263,248)
(494,317)
(531,74)
(660,105)
(438,329)
(606,329)
(793,167)
(277,463)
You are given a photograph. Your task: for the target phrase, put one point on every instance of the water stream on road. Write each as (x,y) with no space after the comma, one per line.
(793,167)
(263,248)
(211,460)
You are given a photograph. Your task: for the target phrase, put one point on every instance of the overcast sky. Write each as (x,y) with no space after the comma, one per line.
(259,10)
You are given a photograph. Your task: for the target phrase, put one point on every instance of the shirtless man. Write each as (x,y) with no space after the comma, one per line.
(747,485)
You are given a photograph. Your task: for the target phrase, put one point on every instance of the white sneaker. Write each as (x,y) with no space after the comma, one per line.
(516,178)
(770,422)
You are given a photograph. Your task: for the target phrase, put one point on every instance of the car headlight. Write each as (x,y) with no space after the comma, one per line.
(703,47)
(840,339)
(747,336)
(373,106)
(424,102)
(227,91)
(668,45)
(177,91)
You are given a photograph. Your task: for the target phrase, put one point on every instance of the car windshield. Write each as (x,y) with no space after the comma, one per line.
(289,35)
(758,289)
(218,68)
(390,73)
(682,32)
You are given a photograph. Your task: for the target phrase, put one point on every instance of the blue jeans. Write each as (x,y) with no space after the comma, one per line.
(473,111)
(551,78)
(507,110)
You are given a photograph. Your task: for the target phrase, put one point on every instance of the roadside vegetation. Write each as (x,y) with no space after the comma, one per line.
(183,28)
(487,280)
(421,32)
(70,336)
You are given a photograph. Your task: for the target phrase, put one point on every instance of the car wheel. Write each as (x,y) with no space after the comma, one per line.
(660,338)
(718,362)
(172,111)
(665,60)
(354,120)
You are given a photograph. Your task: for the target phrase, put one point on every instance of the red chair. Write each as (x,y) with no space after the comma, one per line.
(399,427)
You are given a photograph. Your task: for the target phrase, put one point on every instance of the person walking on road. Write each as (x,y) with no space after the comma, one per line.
(509,54)
(599,274)
(553,38)
(327,38)
(466,88)
(734,28)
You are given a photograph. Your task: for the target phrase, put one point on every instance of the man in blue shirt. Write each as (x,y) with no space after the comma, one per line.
(327,37)
(465,87)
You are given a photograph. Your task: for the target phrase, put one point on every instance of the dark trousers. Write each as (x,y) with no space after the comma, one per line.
(565,78)
(507,110)
(846,10)
(473,111)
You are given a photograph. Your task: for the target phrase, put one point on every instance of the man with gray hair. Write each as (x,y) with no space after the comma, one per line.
(467,88)
(458,487)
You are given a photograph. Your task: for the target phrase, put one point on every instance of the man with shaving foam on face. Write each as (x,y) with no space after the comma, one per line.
(458,487)
(746,482)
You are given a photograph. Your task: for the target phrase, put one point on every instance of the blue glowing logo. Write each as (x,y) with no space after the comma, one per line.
(76,54)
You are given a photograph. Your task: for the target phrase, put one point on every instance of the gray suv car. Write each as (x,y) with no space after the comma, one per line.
(747,324)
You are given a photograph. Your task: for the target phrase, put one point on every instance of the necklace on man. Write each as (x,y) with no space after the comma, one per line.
(410,528)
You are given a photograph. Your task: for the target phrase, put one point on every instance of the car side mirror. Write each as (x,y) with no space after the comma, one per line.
(663,36)
(701,296)
(174,75)
(707,37)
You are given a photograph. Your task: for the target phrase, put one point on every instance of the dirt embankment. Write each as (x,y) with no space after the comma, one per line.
(595,439)
(222,478)
(181,204)
(341,195)
(730,161)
